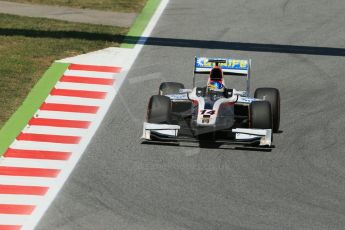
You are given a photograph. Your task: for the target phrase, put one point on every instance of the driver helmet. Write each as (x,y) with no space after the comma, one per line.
(215,83)
(216,74)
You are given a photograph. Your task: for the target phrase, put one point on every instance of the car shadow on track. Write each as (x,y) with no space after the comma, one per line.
(211,145)
(175,42)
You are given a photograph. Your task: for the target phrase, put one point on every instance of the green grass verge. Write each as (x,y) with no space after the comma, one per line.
(140,24)
(28,46)
(108,5)
(30,105)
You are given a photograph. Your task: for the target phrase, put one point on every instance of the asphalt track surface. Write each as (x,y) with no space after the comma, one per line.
(122,184)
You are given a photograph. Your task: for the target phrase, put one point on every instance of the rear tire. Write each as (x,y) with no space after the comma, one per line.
(170,88)
(271,95)
(260,115)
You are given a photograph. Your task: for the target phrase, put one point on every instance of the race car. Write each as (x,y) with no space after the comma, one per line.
(213,112)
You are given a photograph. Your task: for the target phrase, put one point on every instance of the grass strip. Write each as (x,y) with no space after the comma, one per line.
(38,94)
(31,104)
(28,46)
(140,24)
(127,6)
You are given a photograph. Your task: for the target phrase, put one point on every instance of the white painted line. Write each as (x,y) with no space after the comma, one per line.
(55,130)
(32,163)
(27,181)
(13,219)
(65,115)
(20,199)
(79,86)
(79,73)
(74,100)
(45,146)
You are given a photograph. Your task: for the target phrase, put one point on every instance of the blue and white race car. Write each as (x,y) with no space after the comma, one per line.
(213,113)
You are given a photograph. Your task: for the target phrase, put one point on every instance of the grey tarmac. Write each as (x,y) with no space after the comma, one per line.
(121,184)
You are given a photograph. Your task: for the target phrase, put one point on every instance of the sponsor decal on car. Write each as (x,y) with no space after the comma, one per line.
(229,63)
(178,96)
(246,99)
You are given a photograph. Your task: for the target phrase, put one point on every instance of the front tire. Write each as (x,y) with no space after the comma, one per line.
(271,95)
(260,115)
(159,110)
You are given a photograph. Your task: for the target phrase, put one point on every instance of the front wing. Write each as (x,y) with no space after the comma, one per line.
(170,133)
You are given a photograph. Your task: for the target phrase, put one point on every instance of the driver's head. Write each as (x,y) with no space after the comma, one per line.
(216,74)
(215,83)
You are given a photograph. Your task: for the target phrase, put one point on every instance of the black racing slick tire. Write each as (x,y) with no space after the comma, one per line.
(271,95)
(260,115)
(159,110)
(170,88)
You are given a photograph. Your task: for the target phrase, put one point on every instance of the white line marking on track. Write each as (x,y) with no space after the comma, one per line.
(55,130)
(65,115)
(74,100)
(45,146)
(27,181)
(13,219)
(80,86)
(79,73)
(32,163)
(20,199)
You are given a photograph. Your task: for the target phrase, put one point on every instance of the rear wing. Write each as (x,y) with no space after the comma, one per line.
(204,65)
(229,66)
